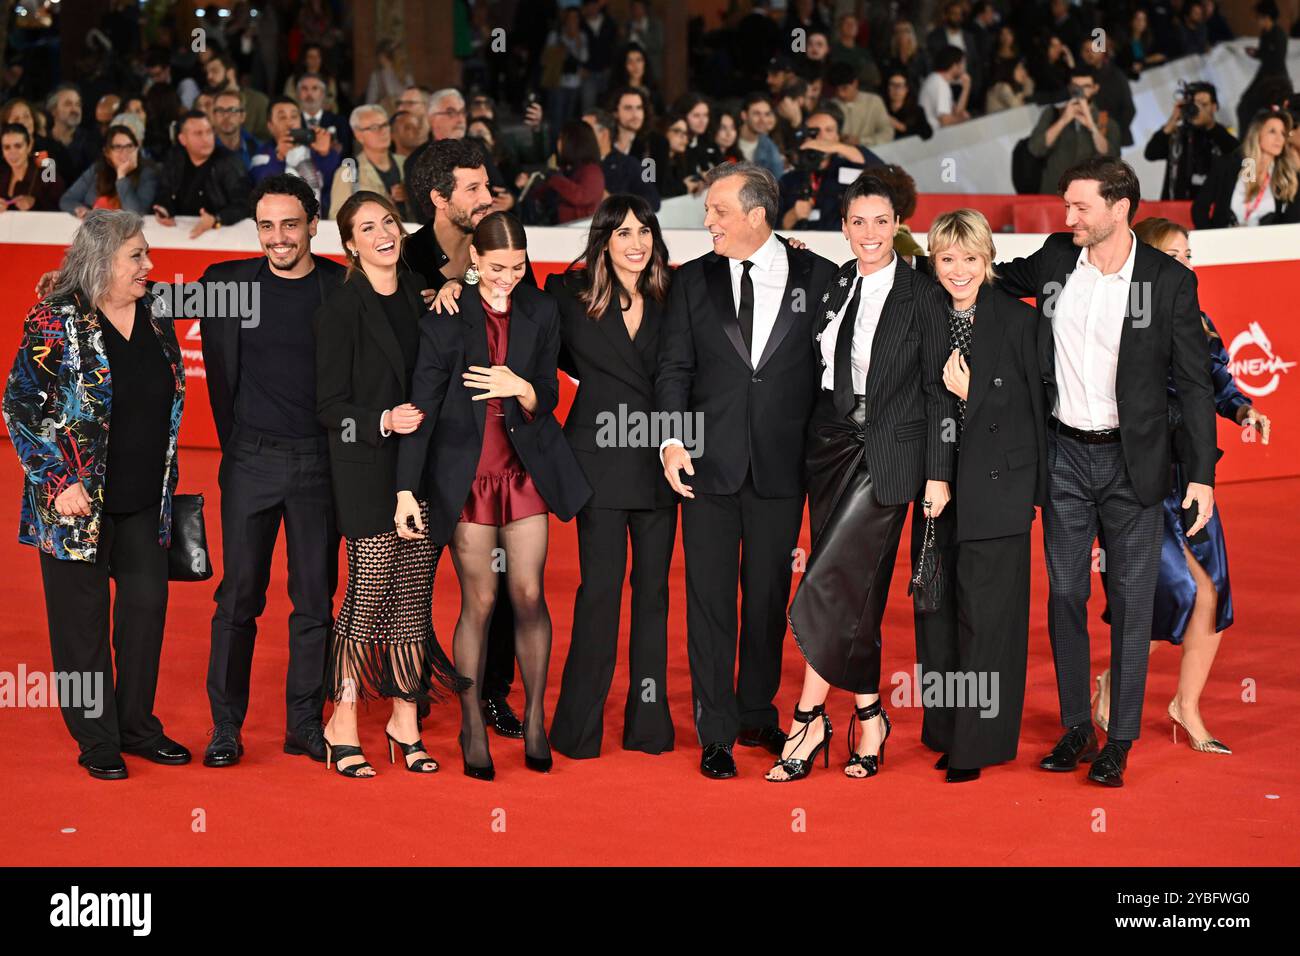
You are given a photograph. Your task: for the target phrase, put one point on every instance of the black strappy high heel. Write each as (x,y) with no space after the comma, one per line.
(797,768)
(871,763)
(407,750)
(336,752)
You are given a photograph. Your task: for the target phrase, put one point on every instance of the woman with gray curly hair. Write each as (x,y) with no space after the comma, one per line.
(95,360)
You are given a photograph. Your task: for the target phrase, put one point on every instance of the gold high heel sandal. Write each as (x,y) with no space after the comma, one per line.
(1207,746)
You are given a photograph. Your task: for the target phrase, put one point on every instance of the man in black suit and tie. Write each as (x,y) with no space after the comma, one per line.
(735,357)
(261,374)
(1118,321)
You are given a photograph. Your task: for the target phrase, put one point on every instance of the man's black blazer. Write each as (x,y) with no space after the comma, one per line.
(911,416)
(753,418)
(447,445)
(1165,340)
(220,333)
(227,185)
(361,373)
(1002,459)
(615,391)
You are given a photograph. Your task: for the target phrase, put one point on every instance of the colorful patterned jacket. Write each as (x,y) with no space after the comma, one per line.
(56,405)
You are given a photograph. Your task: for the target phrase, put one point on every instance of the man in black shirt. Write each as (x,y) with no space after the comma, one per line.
(1192,140)
(623,173)
(200,178)
(260,358)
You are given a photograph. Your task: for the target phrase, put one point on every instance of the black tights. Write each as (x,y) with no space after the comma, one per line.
(474,553)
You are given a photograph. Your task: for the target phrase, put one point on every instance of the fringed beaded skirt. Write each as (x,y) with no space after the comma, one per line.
(383,643)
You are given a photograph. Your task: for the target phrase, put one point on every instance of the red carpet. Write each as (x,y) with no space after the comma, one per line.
(1178,808)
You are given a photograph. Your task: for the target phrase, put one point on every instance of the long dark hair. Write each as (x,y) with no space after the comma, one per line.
(602,283)
(106,173)
(348,213)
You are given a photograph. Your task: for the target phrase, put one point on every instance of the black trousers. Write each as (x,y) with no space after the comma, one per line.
(1088,488)
(603,533)
(265,482)
(110,714)
(738,541)
(976,644)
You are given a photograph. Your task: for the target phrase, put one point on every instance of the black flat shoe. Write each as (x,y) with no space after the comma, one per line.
(109,768)
(168,751)
(941,763)
(771,739)
(226,747)
(1075,747)
(499,716)
(956,775)
(307,741)
(1108,768)
(717,763)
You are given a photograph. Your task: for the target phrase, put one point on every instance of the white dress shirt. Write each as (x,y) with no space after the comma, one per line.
(871,300)
(1086,332)
(1265,204)
(769,272)
(935,98)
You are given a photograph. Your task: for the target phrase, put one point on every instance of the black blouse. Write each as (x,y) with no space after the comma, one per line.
(139,423)
(405,325)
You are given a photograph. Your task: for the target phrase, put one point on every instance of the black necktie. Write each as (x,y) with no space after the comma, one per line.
(745,315)
(844,353)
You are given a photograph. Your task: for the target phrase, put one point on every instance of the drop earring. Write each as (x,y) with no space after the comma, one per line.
(471,275)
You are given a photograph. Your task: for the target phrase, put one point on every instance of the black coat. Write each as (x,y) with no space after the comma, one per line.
(361,373)
(910,414)
(449,442)
(220,334)
(422,254)
(226,185)
(1212,207)
(1167,342)
(753,419)
(1002,459)
(615,385)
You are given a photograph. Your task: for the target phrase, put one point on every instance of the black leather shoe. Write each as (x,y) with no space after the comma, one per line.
(942,762)
(717,762)
(771,739)
(499,716)
(108,768)
(956,775)
(1108,768)
(307,741)
(168,751)
(226,747)
(1074,748)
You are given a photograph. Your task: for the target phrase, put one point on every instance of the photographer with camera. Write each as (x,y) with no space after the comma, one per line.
(823,168)
(297,150)
(1068,133)
(1192,141)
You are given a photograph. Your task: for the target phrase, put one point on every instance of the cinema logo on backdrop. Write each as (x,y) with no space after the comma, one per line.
(1253,363)
(78,909)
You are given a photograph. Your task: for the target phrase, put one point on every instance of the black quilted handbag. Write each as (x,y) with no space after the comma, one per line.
(927,585)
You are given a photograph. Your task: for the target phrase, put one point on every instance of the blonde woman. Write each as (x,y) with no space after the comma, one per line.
(983,540)
(1256,185)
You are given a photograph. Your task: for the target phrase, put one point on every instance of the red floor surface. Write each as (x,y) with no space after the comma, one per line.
(1178,808)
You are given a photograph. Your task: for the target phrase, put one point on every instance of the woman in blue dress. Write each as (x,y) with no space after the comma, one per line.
(1193,603)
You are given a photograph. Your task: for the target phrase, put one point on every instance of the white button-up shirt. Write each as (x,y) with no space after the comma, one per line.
(874,290)
(769,272)
(1086,333)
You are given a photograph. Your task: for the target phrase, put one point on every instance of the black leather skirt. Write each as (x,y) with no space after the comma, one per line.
(836,613)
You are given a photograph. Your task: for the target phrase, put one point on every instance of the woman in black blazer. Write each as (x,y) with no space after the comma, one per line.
(366,340)
(1257,184)
(610,315)
(980,632)
(496,462)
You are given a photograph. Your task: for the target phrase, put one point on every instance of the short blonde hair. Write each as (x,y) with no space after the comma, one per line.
(963,229)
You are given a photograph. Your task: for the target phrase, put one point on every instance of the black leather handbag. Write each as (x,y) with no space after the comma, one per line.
(188,558)
(927,584)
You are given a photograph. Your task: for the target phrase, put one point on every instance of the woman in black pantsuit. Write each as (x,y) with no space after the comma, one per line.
(978,639)
(610,313)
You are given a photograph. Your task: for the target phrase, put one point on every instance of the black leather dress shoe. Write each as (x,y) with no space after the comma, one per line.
(499,716)
(1108,768)
(168,751)
(717,762)
(942,762)
(107,768)
(1074,748)
(771,739)
(957,775)
(226,747)
(307,741)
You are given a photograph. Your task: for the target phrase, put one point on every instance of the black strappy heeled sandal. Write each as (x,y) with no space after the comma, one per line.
(871,763)
(336,752)
(797,768)
(407,750)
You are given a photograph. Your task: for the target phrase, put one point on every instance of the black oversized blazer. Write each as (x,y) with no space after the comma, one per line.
(447,445)
(910,414)
(361,373)
(1002,458)
(615,389)
(1164,340)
